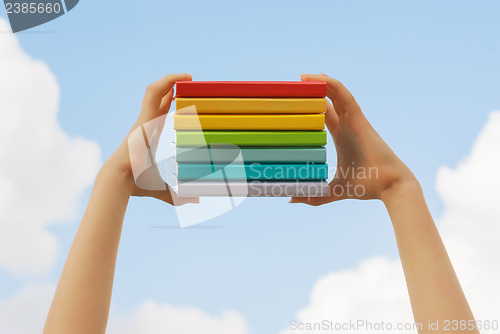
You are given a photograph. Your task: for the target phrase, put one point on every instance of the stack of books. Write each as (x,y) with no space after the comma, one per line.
(251,138)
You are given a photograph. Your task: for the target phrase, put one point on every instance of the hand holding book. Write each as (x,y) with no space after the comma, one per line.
(367,168)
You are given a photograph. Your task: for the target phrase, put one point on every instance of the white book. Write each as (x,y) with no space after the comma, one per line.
(253,189)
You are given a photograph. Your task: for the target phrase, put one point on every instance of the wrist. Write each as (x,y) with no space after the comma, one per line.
(401,189)
(119,174)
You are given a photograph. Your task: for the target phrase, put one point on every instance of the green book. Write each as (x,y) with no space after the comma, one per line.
(245,155)
(254,171)
(251,138)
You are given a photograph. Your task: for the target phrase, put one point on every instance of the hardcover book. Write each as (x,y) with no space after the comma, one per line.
(252,172)
(251,89)
(251,105)
(221,155)
(254,189)
(251,138)
(249,122)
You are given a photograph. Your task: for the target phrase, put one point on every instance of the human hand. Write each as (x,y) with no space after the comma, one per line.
(135,157)
(367,168)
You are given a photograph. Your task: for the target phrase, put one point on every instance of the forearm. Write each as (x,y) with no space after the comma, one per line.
(434,289)
(82,299)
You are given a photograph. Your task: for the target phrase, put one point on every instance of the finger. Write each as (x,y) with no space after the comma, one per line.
(155,93)
(159,122)
(168,196)
(331,117)
(177,201)
(152,131)
(333,195)
(314,201)
(341,97)
(166,102)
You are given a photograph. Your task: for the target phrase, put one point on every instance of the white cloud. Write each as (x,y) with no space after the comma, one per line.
(470,227)
(153,318)
(42,171)
(375,285)
(471,222)
(42,175)
(25,312)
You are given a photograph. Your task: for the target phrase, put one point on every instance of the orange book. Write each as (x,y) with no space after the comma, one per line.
(249,122)
(250,106)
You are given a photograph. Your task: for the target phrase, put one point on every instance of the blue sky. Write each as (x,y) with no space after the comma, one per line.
(425,73)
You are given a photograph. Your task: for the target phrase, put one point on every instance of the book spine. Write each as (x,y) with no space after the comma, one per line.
(249,122)
(250,106)
(252,172)
(254,189)
(251,89)
(251,138)
(250,155)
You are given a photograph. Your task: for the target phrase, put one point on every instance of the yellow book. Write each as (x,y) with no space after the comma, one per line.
(249,122)
(252,105)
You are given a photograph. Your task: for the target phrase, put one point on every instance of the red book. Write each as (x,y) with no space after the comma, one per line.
(283,89)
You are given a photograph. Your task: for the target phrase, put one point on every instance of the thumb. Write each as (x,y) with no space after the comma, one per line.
(316,201)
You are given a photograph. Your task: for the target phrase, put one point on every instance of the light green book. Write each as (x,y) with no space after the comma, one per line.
(251,138)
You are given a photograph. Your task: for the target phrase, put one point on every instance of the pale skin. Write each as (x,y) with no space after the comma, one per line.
(83,295)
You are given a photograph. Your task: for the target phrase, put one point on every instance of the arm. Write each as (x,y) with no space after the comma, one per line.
(434,289)
(435,292)
(83,295)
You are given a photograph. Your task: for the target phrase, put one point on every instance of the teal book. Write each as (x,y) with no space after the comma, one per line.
(245,155)
(251,138)
(254,171)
